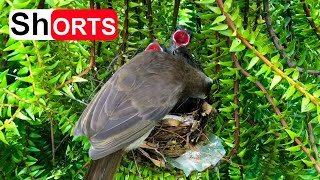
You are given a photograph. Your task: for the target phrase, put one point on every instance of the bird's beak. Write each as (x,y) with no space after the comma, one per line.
(154,46)
(181,38)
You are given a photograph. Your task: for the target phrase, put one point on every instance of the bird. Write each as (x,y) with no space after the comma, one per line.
(156,46)
(127,108)
(179,41)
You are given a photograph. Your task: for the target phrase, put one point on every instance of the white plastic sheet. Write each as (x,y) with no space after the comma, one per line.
(200,157)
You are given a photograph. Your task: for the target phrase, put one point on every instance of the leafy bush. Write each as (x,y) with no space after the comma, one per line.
(268,111)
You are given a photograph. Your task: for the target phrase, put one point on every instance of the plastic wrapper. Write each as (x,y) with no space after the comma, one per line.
(200,157)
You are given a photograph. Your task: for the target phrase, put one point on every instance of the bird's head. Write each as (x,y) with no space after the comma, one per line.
(155,46)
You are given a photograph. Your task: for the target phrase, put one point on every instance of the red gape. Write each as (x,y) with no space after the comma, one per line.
(154,46)
(181,38)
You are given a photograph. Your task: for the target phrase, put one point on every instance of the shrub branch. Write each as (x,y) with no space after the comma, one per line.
(149,15)
(276,109)
(86,71)
(276,43)
(175,14)
(311,22)
(264,59)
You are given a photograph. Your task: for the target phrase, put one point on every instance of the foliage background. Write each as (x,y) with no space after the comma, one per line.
(39,106)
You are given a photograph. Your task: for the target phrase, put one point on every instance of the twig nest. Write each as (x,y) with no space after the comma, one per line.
(176,134)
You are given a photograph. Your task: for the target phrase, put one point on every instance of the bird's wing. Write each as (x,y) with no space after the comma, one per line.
(126,108)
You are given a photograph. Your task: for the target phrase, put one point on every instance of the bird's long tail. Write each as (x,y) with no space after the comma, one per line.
(104,168)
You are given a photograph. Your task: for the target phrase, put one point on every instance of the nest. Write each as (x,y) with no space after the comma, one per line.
(176,134)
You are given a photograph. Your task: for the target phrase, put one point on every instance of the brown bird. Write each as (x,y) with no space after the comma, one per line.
(127,108)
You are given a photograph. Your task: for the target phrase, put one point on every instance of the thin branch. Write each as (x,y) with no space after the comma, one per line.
(8,121)
(257,15)
(91,4)
(25,152)
(290,24)
(109,4)
(12,75)
(73,98)
(237,119)
(125,32)
(86,71)
(264,59)
(52,138)
(31,74)
(198,20)
(149,15)
(16,96)
(311,22)
(175,14)
(277,111)
(41,4)
(84,166)
(64,139)
(311,136)
(276,43)
(100,42)
(218,50)
(4,41)
(9,105)
(245,14)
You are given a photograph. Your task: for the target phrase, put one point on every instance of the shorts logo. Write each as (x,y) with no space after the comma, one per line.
(47,24)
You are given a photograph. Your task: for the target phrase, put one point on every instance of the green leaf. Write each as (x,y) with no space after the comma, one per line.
(79,67)
(227,5)
(67,90)
(316,93)
(236,45)
(52,66)
(306,105)
(23,71)
(253,61)
(17,57)
(4,29)
(64,77)
(40,92)
(83,51)
(132,30)
(14,46)
(227,32)
(291,134)
(236,42)
(132,4)
(275,58)
(242,153)
(295,74)
(294,148)
(226,109)
(22,116)
(78,79)
(205,2)
(291,90)
(216,10)
(17,4)
(2,138)
(219,19)
(276,79)
(54,79)
(308,163)
(220,27)
(57,93)
(34,149)
(26,79)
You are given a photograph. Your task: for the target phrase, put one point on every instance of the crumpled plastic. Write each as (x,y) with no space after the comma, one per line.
(200,157)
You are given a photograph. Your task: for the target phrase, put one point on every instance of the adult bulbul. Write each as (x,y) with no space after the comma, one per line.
(127,108)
